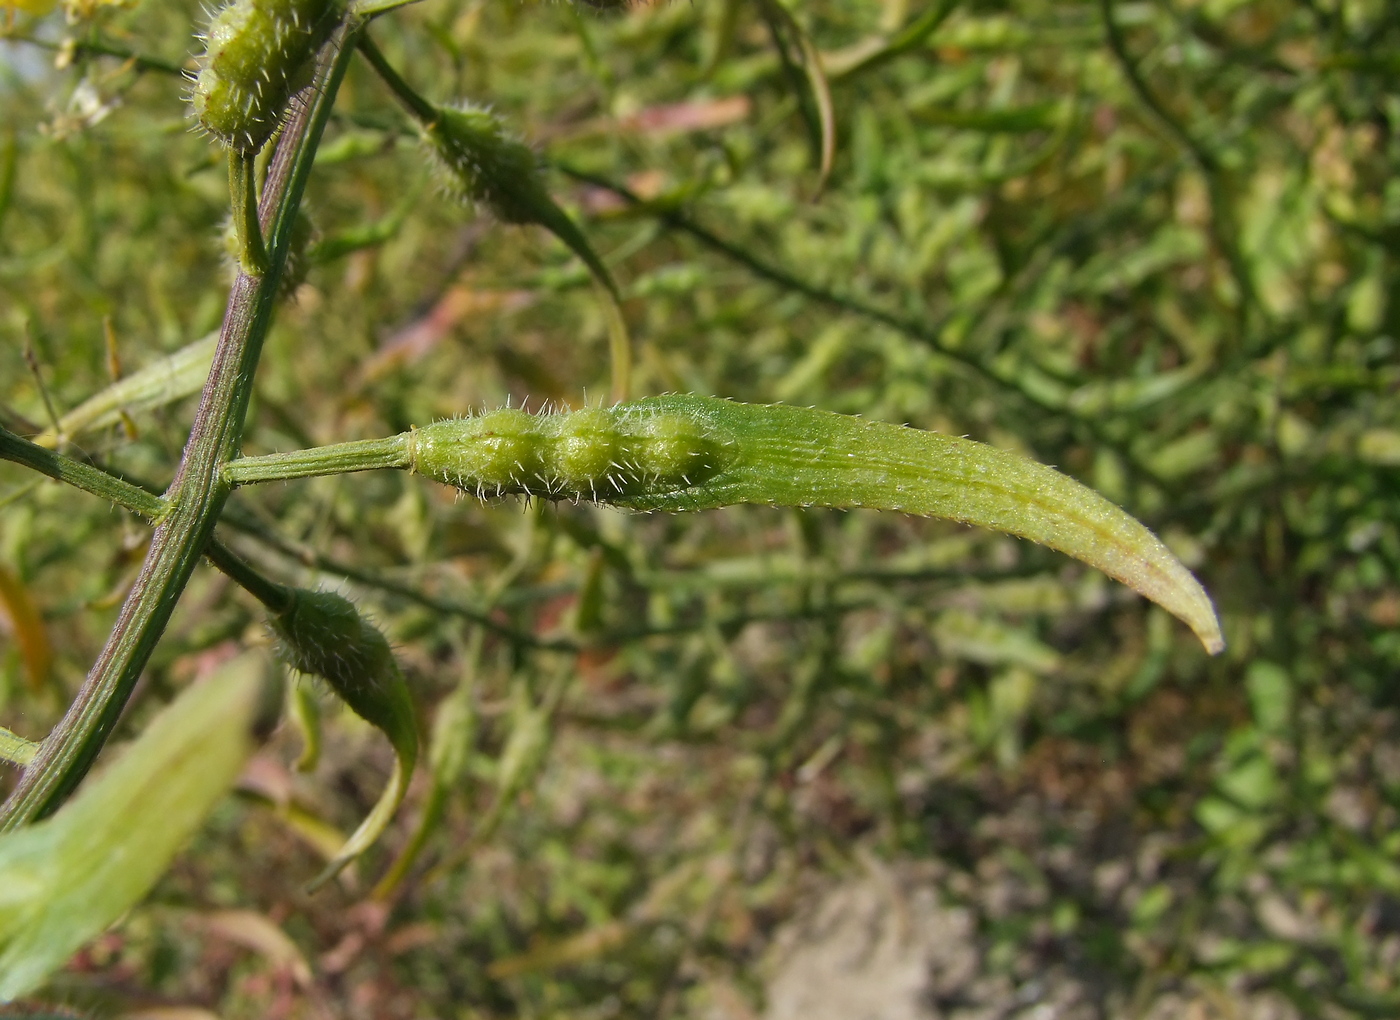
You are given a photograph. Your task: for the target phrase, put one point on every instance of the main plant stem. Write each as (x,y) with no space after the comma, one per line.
(198,492)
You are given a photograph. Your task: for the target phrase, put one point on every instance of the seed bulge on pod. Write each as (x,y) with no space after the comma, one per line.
(491,454)
(610,455)
(676,451)
(587,453)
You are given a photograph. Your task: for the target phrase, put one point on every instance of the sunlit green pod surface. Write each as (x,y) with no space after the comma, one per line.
(615,455)
(687,452)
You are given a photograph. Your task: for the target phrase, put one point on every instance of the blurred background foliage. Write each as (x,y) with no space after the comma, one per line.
(1153,243)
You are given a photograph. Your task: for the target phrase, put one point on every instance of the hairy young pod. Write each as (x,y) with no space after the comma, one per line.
(603,455)
(685,452)
(257,53)
(482,163)
(324,634)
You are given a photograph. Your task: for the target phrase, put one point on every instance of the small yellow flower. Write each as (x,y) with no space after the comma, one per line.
(35,8)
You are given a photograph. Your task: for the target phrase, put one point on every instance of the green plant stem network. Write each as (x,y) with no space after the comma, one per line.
(271,71)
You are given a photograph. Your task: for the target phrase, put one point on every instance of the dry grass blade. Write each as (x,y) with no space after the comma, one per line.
(27,625)
(788,32)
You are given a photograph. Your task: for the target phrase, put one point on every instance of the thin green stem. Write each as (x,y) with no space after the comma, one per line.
(477,614)
(339,458)
(904,41)
(421,110)
(136,499)
(243,196)
(1222,226)
(84,476)
(15,749)
(274,597)
(99,48)
(9,161)
(198,492)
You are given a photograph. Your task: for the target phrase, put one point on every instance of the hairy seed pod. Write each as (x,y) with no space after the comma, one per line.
(482,163)
(324,634)
(686,452)
(593,454)
(257,53)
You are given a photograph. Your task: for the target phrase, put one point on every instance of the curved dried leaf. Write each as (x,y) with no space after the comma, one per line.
(29,629)
(162,382)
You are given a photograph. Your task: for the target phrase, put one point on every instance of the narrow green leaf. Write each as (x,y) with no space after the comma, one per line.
(787,31)
(64,879)
(450,746)
(160,383)
(305,713)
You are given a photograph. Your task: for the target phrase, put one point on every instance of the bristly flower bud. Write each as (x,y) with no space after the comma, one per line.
(323,633)
(485,165)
